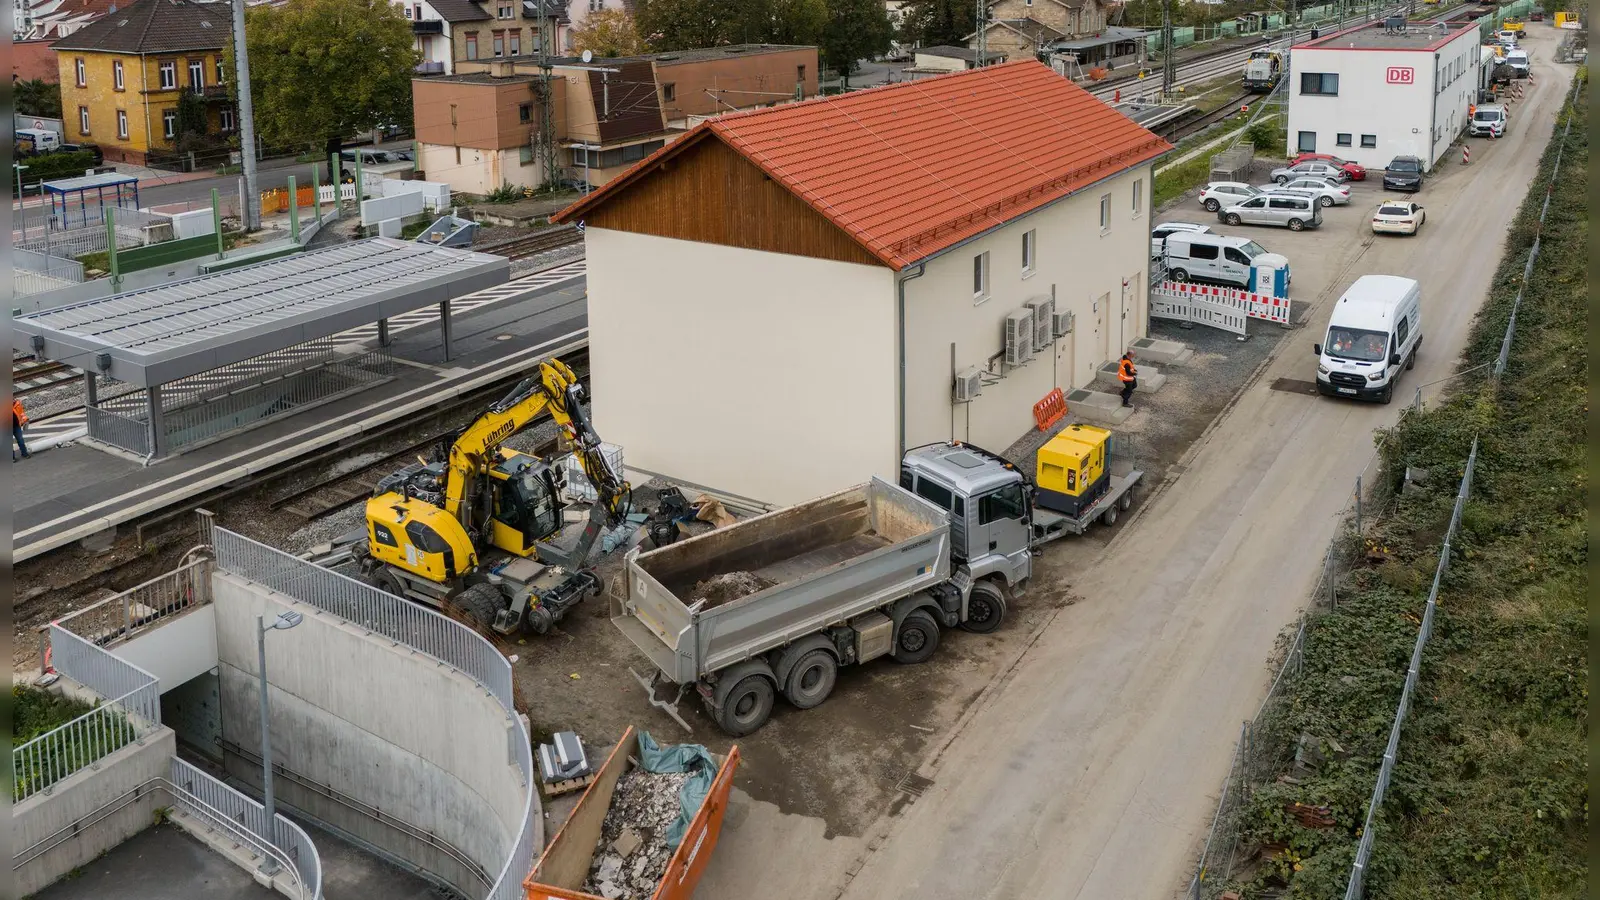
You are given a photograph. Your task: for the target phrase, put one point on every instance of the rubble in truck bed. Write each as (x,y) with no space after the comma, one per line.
(728,587)
(632,853)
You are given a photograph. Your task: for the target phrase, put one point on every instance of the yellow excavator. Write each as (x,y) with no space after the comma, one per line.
(475,529)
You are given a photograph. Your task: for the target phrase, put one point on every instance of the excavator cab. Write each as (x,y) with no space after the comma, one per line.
(527,502)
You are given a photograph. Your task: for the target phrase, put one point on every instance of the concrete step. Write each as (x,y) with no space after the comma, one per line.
(1097,407)
(1160,352)
(1150,378)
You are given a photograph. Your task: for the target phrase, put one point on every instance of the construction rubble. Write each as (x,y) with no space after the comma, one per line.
(633,852)
(728,587)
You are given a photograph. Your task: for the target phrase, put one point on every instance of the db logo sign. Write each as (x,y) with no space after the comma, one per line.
(1401,75)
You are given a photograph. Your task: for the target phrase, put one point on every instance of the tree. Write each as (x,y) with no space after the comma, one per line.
(324,69)
(934,23)
(688,24)
(610,32)
(35,97)
(792,21)
(856,30)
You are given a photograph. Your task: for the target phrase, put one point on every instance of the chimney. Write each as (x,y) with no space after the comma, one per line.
(502,69)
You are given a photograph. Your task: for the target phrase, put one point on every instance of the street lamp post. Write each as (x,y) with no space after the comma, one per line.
(284,622)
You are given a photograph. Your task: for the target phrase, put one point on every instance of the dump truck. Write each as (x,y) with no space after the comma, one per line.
(568,860)
(776,604)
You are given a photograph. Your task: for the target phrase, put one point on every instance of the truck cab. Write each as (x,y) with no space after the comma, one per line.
(990,503)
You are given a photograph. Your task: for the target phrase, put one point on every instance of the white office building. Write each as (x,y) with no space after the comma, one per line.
(1372,93)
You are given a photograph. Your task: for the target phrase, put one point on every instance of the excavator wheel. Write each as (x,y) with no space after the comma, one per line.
(480,603)
(386,582)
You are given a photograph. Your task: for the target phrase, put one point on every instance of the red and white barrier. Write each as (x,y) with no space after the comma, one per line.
(1256,306)
(1466,155)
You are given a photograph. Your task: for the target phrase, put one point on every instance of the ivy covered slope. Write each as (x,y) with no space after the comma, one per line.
(1489,797)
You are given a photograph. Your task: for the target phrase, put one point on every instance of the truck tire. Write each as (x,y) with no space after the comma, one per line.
(916,638)
(812,679)
(479,604)
(986,608)
(385,581)
(746,706)
(1109,517)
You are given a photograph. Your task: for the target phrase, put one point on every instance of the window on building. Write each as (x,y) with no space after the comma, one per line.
(1326,83)
(83,120)
(197,75)
(525,155)
(516,42)
(472,45)
(1105,213)
(980,277)
(1369,141)
(169,75)
(226,117)
(222,73)
(169,123)
(525,112)
(81,72)
(800,74)
(408,12)
(669,92)
(122,124)
(634,153)
(506,11)
(1342,139)
(596,5)
(1138,194)
(1029,242)
(499,43)
(1307,142)
(116,75)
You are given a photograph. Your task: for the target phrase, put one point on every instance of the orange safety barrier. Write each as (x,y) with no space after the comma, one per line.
(277,199)
(1049,411)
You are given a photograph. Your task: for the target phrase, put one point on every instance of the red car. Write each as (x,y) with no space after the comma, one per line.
(1354,170)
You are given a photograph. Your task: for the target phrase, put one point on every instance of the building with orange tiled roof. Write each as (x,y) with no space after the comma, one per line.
(782,301)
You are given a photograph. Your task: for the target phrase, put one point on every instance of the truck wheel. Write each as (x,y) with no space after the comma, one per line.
(746,706)
(1127,500)
(1109,517)
(1411,361)
(916,639)
(986,608)
(1387,395)
(812,679)
(480,603)
(386,582)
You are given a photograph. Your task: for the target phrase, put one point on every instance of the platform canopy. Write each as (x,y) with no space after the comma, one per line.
(1114,34)
(161,334)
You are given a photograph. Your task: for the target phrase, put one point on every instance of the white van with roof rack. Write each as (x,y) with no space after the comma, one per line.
(1374,332)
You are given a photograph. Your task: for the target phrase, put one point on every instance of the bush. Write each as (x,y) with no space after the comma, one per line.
(1269,137)
(53,166)
(505,193)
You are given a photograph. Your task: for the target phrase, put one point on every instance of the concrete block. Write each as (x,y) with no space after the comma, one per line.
(390,228)
(1150,378)
(1160,352)
(1097,407)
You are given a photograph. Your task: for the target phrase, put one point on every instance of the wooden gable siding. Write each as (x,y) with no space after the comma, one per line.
(712,195)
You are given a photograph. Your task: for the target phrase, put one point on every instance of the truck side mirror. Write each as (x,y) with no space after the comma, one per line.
(1317,349)
(1394,359)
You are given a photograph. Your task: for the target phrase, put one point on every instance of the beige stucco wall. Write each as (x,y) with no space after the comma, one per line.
(480,171)
(762,374)
(1086,270)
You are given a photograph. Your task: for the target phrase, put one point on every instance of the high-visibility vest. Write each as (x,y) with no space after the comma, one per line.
(17,413)
(1125,371)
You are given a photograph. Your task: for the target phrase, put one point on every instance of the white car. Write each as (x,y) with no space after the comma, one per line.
(1218,194)
(1158,234)
(1398,217)
(1313,169)
(1328,193)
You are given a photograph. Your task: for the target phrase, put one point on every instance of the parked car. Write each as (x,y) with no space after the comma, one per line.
(1315,169)
(1507,39)
(1354,170)
(1328,193)
(1403,173)
(1293,212)
(1489,121)
(97,156)
(1536,16)
(1158,234)
(1218,194)
(1398,217)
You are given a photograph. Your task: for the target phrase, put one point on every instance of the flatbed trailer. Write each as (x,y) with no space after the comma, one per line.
(1048,525)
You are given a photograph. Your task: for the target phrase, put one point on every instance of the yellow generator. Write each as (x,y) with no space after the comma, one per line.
(1072,471)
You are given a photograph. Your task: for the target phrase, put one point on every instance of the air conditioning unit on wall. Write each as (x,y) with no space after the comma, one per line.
(1061,323)
(969,384)
(1019,337)
(1043,310)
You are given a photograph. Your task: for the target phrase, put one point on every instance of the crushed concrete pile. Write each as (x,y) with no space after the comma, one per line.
(728,587)
(632,854)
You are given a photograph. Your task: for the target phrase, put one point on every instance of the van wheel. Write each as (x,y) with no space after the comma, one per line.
(1326,202)
(812,679)
(1212,205)
(1296,225)
(986,607)
(747,706)
(916,639)
(1411,361)
(1179,275)
(1233,219)
(1387,395)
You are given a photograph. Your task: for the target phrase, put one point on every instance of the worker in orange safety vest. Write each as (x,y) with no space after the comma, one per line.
(19,418)
(1129,376)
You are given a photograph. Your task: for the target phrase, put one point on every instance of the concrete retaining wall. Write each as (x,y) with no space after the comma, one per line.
(82,794)
(389,727)
(193,223)
(182,648)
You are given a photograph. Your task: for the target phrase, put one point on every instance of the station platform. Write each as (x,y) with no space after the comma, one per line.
(76,492)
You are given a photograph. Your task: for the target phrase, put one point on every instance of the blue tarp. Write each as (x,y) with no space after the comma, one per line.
(674,758)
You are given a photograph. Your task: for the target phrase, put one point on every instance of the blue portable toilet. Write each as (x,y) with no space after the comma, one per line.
(1269,275)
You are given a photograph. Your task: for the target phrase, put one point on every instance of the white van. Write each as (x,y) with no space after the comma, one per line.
(1375,330)
(37,140)
(1215,257)
(1518,61)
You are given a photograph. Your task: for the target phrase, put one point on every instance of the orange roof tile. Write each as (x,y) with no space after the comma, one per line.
(913,168)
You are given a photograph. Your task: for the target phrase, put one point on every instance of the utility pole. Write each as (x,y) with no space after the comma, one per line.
(547,120)
(251,211)
(983,33)
(1169,66)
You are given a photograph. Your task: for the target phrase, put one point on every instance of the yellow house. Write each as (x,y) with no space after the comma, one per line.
(122,76)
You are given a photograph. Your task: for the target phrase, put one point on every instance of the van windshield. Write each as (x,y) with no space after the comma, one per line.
(1487,115)
(1251,249)
(1355,343)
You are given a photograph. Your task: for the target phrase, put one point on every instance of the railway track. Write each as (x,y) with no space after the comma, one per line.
(520,248)
(1183,127)
(29,376)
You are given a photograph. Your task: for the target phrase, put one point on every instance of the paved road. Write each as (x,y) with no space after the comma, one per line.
(1092,773)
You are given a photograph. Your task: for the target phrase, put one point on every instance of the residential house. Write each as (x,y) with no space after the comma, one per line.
(1042,29)
(838,267)
(451,31)
(122,76)
(577,15)
(477,130)
(944,58)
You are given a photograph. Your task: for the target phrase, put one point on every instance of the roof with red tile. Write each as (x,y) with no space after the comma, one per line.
(914,168)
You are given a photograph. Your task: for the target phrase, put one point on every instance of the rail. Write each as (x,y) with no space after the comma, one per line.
(117,619)
(290,846)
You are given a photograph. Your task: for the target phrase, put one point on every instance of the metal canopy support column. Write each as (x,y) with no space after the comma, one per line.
(444,327)
(91,392)
(158,440)
(383,332)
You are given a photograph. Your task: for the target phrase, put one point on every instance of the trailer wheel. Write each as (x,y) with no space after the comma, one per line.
(986,608)
(916,639)
(812,679)
(1109,517)
(1127,500)
(746,706)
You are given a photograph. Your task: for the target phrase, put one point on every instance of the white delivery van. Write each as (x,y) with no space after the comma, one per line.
(1215,257)
(1375,331)
(37,140)
(1518,61)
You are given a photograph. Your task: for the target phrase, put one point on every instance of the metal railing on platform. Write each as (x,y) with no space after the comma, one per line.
(116,619)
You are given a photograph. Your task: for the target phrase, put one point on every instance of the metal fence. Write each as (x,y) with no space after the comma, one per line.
(407,623)
(129,428)
(245,819)
(45,264)
(116,619)
(36,228)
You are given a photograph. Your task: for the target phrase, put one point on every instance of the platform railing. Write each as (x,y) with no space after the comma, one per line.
(116,619)
(291,847)
(118,430)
